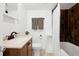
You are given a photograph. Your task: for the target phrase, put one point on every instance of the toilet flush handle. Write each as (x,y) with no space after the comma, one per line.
(40,36)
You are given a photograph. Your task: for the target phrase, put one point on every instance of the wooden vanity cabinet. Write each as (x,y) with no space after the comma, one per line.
(25,51)
(29,48)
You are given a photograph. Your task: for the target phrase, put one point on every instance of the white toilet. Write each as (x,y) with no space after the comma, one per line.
(37,45)
(36,49)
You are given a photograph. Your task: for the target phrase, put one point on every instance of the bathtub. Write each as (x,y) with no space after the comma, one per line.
(63,53)
(69,48)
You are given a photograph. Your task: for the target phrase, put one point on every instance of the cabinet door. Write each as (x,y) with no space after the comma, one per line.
(23,51)
(30,50)
(16,52)
(11,52)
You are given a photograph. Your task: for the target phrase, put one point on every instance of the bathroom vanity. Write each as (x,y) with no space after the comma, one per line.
(20,46)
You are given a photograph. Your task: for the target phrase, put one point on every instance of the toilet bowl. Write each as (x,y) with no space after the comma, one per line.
(36,49)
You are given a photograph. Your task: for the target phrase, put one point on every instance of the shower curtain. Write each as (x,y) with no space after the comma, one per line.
(56,30)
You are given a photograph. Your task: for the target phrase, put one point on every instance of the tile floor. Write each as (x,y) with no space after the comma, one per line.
(41,53)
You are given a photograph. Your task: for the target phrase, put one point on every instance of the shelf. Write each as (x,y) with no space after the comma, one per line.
(9,16)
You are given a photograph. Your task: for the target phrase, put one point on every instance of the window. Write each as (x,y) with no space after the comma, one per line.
(37,23)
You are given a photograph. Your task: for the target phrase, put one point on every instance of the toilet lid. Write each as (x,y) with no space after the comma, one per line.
(36,45)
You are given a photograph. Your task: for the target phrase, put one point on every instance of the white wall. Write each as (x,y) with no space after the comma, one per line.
(19,26)
(5,28)
(47,24)
(56,30)
(1,9)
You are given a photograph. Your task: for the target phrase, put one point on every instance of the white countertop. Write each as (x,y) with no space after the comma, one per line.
(17,42)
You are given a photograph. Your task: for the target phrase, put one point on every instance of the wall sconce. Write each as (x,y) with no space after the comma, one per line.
(6,6)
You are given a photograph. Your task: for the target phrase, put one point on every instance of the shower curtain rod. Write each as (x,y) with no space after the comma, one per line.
(54,7)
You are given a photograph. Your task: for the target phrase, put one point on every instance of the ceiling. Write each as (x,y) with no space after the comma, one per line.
(66,5)
(11,6)
(31,6)
(39,6)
